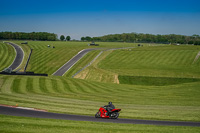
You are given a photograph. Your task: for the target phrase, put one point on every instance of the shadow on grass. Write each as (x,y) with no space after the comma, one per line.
(154,81)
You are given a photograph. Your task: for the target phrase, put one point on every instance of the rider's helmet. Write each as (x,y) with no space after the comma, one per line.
(109,103)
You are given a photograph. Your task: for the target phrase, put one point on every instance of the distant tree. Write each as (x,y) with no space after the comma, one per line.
(28,36)
(87,38)
(82,38)
(128,37)
(62,37)
(190,42)
(197,43)
(195,35)
(68,38)
(51,38)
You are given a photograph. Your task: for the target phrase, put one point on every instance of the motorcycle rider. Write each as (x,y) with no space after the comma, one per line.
(109,107)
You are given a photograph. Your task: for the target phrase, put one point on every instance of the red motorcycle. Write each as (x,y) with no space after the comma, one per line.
(103,113)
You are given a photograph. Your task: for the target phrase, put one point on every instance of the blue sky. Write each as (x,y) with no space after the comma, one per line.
(79,18)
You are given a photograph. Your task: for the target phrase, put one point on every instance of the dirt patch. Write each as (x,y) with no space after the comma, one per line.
(116,80)
(82,75)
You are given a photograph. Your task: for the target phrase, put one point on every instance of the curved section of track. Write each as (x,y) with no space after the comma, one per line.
(19,56)
(41,114)
(61,71)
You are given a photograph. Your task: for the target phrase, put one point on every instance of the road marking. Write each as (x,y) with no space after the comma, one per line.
(97,57)
(26,108)
(196,58)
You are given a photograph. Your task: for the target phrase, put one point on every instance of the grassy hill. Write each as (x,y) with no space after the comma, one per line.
(7,55)
(166,61)
(151,82)
(75,96)
(46,59)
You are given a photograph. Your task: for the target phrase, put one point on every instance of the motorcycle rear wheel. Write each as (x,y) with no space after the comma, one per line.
(114,115)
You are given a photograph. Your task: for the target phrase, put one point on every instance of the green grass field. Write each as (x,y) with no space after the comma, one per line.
(165,61)
(155,81)
(7,55)
(158,82)
(76,96)
(10,124)
(47,59)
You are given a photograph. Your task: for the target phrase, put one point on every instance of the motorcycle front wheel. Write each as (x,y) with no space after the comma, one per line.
(114,115)
(97,115)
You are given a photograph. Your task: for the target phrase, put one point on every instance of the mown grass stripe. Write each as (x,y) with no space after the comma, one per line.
(66,86)
(29,85)
(91,88)
(16,85)
(79,87)
(60,86)
(2,49)
(169,57)
(150,57)
(55,86)
(36,86)
(2,82)
(100,88)
(36,59)
(7,55)
(41,64)
(23,84)
(162,58)
(72,87)
(47,98)
(49,86)
(156,57)
(6,88)
(42,85)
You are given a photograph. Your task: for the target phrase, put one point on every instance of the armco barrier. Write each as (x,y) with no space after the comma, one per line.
(28,60)
(25,73)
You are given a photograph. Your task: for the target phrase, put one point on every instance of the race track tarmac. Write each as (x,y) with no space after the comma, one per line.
(62,70)
(71,62)
(41,114)
(19,56)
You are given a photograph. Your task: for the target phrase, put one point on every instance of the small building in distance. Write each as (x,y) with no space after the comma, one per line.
(24,43)
(93,44)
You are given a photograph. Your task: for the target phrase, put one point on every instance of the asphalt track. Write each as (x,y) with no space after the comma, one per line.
(41,114)
(71,62)
(62,70)
(19,56)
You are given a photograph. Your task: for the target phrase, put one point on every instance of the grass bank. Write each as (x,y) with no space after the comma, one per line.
(154,81)
(32,125)
(76,96)
(7,55)
(164,61)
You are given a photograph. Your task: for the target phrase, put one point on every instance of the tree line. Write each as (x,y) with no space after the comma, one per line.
(42,36)
(146,38)
(62,38)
